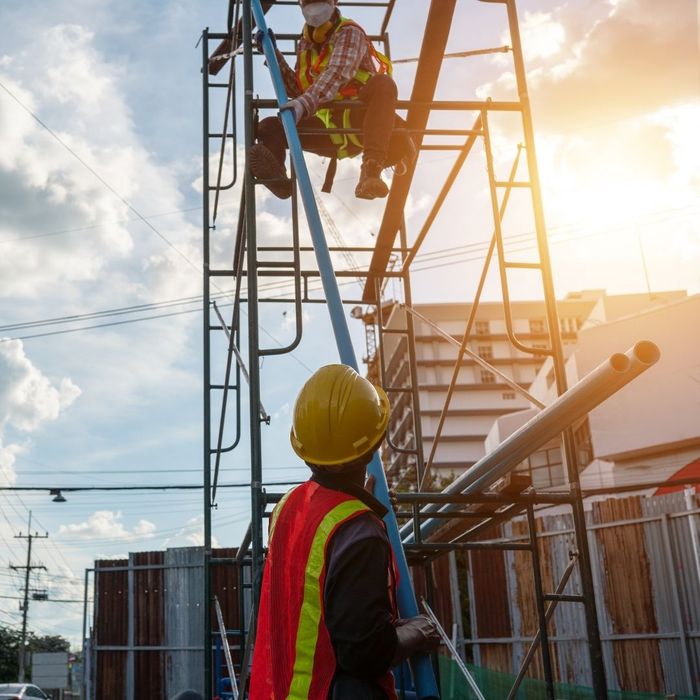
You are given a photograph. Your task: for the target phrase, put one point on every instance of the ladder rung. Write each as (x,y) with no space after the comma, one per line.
(222,273)
(275,263)
(219,135)
(523,265)
(506,183)
(220,387)
(217,85)
(399,389)
(395,331)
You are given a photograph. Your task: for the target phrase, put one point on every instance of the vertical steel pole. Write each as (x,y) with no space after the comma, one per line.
(130,629)
(412,363)
(206,349)
(253,340)
(85,642)
(539,601)
(569,447)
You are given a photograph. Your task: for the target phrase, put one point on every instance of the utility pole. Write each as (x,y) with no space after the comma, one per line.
(25,606)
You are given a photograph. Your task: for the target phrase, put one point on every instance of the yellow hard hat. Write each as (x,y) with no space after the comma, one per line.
(339,417)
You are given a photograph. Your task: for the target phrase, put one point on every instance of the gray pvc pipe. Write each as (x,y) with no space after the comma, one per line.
(597,386)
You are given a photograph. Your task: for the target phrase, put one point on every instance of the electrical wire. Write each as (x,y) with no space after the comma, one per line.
(106,184)
(94,226)
(131,208)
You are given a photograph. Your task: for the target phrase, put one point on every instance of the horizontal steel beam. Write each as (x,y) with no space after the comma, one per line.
(438,105)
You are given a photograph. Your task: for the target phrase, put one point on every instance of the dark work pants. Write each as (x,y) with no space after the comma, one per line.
(376,117)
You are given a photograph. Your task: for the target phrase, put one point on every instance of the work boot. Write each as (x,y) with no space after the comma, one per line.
(370,184)
(266,168)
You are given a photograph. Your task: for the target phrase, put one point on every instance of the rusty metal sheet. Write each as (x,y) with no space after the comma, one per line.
(490,591)
(110,628)
(148,600)
(628,595)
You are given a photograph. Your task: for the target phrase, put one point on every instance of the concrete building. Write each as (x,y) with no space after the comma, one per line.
(650,430)
(482,401)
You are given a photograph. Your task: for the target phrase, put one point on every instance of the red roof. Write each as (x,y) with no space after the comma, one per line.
(690,471)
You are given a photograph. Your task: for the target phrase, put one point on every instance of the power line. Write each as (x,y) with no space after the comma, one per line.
(130,206)
(42,600)
(90,169)
(92,227)
(159,487)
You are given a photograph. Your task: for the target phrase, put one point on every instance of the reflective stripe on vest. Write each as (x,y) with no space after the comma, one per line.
(293,658)
(313,62)
(310,617)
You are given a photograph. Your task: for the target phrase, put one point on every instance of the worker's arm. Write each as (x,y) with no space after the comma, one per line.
(288,76)
(358,611)
(348,51)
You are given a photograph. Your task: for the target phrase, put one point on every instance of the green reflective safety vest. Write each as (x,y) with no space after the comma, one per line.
(312,62)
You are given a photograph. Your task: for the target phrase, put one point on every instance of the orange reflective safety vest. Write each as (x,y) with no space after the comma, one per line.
(293,657)
(312,62)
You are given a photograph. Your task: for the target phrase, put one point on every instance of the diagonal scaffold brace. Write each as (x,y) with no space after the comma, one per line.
(421,666)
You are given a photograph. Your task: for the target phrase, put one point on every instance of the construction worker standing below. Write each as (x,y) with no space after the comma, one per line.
(335,61)
(327,625)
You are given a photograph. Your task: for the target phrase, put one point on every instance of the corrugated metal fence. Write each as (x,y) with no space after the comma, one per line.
(646,568)
(148,623)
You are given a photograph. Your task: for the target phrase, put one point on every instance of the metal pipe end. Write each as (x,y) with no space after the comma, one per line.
(619,362)
(646,352)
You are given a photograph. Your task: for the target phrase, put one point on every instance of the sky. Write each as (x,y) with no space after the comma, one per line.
(100,210)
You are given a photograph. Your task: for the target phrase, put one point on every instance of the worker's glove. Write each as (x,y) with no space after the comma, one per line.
(415,634)
(296,107)
(259,39)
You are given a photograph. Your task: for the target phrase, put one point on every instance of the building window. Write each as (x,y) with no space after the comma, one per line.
(508,395)
(485,351)
(487,377)
(537,326)
(544,467)
(482,327)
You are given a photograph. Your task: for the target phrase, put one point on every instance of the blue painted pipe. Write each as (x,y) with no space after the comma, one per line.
(423,675)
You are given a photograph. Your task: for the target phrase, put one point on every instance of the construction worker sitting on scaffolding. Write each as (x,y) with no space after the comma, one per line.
(335,61)
(327,625)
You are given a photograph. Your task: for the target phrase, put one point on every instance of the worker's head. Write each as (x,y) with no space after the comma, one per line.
(317,12)
(340,419)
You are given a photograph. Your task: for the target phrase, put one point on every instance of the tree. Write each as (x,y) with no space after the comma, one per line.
(47,643)
(9,649)
(9,659)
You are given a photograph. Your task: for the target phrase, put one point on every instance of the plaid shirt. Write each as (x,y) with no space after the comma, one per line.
(350,53)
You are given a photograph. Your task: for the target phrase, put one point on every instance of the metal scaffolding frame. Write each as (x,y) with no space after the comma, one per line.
(462,513)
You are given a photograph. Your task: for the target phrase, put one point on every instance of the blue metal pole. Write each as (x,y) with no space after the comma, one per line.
(421,666)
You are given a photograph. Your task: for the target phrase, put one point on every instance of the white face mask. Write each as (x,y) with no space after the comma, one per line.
(318,13)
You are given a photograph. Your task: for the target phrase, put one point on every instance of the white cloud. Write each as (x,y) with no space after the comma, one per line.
(192,533)
(47,189)
(542,36)
(27,399)
(106,524)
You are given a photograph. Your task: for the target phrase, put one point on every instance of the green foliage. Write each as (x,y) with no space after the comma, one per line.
(9,645)
(48,643)
(9,649)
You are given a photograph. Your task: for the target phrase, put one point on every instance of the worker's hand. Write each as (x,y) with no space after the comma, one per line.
(259,39)
(296,107)
(414,635)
